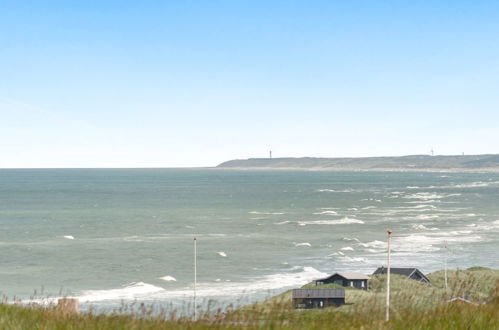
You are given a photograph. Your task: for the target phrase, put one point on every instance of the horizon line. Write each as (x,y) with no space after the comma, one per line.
(215,166)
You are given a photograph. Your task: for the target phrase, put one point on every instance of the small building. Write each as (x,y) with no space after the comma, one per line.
(318,298)
(353,280)
(412,273)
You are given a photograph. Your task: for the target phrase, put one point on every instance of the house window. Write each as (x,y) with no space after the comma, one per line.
(351,284)
(362,284)
(320,283)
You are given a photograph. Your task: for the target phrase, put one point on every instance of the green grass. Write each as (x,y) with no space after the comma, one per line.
(415,306)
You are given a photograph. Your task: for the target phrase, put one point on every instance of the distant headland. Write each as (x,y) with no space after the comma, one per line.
(461,163)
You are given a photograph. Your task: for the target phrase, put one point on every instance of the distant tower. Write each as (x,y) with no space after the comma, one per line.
(432,152)
(270,154)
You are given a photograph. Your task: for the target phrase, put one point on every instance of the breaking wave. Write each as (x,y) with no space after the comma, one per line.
(326,212)
(428,196)
(423,227)
(343,221)
(168,278)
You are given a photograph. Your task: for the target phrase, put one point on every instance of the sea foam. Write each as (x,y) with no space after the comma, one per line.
(343,221)
(302,244)
(168,278)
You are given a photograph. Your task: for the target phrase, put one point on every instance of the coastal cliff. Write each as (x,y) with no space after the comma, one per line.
(403,163)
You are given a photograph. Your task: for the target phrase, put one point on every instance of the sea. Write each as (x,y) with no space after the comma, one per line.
(115,237)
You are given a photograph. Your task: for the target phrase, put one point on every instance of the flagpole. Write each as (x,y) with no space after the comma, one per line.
(445,269)
(387,315)
(195,275)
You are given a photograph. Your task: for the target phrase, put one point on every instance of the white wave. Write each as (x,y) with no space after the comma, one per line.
(222,254)
(428,195)
(353,209)
(485,226)
(133,238)
(347,259)
(369,207)
(68,237)
(351,239)
(139,290)
(423,227)
(302,244)
(427,216)
(375,251)
(412,187)
(218,288)
(168,278)
(336,191)
(429,242)
(343,221)
(426,201)
(347,248)
(326,212)
(266,213)
(258,284)
(374,244)
(456,233)
(282,222)
(477,184)
(419,206)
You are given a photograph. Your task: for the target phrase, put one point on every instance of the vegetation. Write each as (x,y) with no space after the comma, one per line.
(415,306)
(405,163)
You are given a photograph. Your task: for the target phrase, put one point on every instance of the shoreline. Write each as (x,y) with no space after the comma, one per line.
(344,169)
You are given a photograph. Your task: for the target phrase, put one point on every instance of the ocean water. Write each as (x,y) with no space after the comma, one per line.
(114,236)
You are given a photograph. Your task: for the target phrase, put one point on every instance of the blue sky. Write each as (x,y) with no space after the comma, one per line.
(194,83)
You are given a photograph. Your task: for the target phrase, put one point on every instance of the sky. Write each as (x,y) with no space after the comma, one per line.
(194,83)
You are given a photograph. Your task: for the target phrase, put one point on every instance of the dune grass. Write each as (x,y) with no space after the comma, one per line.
(415,306)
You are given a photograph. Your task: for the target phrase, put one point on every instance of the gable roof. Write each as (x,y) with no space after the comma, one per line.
(348,276)
(398,271)
(401,271)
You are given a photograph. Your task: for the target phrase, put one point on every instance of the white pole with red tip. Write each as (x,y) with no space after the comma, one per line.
(445,269)
(387,316)
(195,275)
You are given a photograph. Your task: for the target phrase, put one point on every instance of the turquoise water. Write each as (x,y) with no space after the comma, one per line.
(108,236)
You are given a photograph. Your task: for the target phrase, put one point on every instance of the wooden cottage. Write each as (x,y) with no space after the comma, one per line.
(353,280)
(318,298)
(412,273)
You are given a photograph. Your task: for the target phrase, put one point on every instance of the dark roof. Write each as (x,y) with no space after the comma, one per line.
(398,271)
(401,271)
(318,293)
(348,276)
